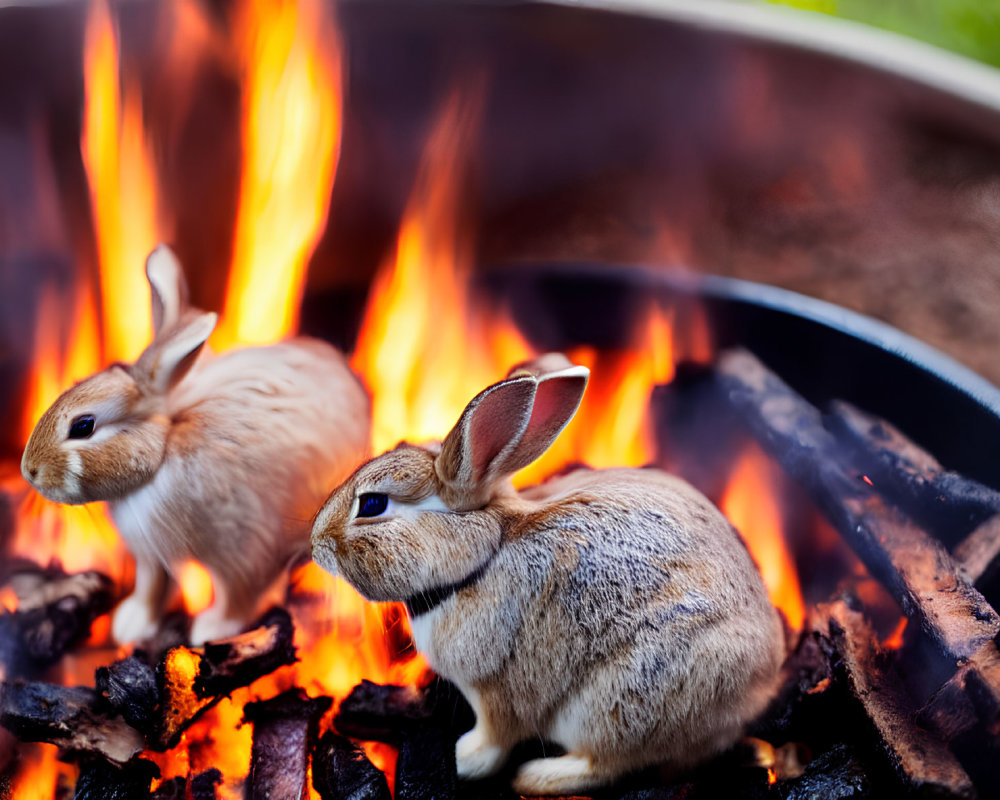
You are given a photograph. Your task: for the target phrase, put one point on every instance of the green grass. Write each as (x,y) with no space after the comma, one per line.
(969,27)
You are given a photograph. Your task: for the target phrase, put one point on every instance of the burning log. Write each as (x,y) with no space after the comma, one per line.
(382,712)
(342,771)
(100,780)
(190,681)
(944,502)
(284,729)
(73,718)
(912,565)
(921,760)
(54,613)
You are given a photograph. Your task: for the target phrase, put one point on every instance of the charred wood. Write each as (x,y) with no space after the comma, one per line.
(835,775)
(54,613)
(203,784)
(284,729)
(385,712)
(129,686)
(425,769)
(100,780)
(946,503)
(912,565)
(174,789)
(922,761)
(73,718)
(239,661)
(978,554)
(190,681)
(342,771)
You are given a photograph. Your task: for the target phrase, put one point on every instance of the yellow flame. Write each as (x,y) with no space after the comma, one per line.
(291,142)
(120,174)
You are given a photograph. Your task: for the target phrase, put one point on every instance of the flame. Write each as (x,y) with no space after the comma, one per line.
(750,503)
(291,142)
(120,173)
(424,350)
(894,641)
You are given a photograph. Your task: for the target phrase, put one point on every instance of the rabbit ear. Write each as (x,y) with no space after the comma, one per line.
(505,428)
(169,290)
(172,354)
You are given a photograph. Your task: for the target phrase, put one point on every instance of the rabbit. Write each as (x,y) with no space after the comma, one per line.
(614,612)
(221,459)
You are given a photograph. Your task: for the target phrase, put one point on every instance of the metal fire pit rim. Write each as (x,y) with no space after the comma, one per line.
(861,327)
(847,40)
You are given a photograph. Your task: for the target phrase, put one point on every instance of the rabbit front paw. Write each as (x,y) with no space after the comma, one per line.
(133,621)
(566,774)
(476,756)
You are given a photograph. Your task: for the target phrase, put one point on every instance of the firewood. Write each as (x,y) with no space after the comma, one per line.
(75,718)
(100,780)
(190,681)
(944,502)
(915,568)
(922,761)
(342,771)
(203,784)
(54,613)
(284,729)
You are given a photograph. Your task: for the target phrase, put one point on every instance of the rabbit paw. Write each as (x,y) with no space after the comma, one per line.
(566,774)
(476,756)
(133,621)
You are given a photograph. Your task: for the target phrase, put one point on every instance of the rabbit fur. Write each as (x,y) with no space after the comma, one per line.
(616,612)
(222,459)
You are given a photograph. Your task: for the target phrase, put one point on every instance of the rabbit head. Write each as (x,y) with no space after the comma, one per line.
(106,436)
(392,529)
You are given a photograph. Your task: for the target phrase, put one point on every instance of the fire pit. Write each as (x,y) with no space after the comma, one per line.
(497,166)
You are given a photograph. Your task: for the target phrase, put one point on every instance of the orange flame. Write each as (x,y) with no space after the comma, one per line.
(751,505)
(423,351)
(291,142)
(122,189)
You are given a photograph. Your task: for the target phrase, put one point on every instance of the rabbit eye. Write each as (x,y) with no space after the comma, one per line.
(372,505)
(81,427)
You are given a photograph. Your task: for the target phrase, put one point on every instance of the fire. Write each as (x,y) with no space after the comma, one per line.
(420,323)
(120,173)
(751,505)
(291,141)
(426,347)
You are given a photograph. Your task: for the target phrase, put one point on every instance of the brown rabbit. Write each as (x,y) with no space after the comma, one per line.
(615,612)
(219,459)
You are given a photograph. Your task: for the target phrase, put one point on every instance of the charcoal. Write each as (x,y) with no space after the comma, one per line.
(129,686)
(73,718)
(945,503)
(54,613)
(100,780)
(189,681)
(342,771)
(203,784)
(385,712)
(835,775)
(284,729)
(425,769)
(382,712)
(239,661)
